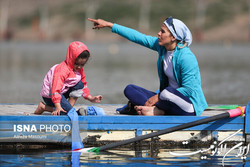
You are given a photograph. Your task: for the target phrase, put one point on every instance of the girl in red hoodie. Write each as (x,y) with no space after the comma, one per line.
(65,82)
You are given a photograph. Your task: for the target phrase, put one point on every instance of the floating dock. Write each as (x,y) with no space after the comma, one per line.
(19,126)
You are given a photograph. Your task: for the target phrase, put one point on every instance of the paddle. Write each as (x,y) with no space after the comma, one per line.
(239,111)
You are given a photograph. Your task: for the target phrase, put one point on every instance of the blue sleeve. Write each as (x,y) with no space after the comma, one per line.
(137,37)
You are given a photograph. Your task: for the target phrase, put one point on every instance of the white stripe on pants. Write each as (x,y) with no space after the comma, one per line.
(184,105)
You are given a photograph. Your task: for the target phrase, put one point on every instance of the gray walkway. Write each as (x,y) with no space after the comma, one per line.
(110,109)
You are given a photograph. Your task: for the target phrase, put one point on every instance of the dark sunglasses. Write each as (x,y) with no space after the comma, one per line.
(169,20)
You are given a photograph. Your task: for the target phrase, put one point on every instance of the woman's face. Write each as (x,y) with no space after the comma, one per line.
(165,37)
(79,63)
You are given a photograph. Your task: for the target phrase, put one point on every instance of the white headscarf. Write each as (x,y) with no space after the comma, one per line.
(179,30)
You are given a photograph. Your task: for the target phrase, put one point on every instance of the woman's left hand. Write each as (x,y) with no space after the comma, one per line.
(152,100)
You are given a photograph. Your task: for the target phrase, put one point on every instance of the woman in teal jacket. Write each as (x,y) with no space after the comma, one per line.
(178,70)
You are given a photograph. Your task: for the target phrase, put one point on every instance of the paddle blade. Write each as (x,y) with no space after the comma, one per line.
(75,135)
(86,150)
(95,149)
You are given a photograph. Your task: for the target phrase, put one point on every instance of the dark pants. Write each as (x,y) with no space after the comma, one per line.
(64,102)
(138,96)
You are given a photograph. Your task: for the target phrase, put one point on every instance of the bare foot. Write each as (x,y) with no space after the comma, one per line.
(40,109)
(148,111)
(26,113)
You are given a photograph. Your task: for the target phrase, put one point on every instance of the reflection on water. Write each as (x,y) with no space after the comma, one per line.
(117,158)
(224,70)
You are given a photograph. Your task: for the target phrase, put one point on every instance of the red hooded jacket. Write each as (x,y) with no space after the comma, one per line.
(62,76)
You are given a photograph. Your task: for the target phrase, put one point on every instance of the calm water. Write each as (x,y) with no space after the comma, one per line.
(224,70)
(225,80)
(119,158)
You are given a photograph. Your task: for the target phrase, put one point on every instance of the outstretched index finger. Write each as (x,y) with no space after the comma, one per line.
(93,20)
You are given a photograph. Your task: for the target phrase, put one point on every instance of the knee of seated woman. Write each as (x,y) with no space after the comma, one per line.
(129,88)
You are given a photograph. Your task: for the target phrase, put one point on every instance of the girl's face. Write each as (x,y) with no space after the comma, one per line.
(79,63)
(165,37)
